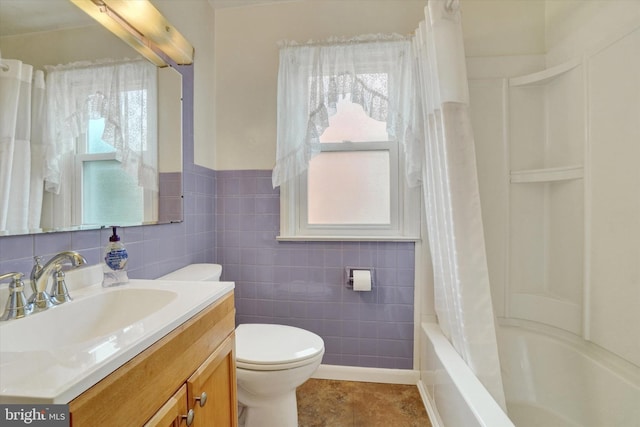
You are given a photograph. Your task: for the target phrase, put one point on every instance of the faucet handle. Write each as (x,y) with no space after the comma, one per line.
(17,305)
(59,292)
(13,276)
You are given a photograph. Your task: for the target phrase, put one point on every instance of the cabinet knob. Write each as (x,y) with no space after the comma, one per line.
(202,399)
(189,417)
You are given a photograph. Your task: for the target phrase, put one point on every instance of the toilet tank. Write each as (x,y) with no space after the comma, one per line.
(196,273)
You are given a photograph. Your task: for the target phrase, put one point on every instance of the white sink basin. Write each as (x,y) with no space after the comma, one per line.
(53,356)
(84,320)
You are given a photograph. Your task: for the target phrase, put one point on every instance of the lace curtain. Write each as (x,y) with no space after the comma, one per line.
(121,92)
(376,71)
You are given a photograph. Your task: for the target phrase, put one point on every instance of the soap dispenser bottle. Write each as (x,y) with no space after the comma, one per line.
(115,262)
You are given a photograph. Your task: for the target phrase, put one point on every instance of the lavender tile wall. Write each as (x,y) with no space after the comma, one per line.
(302,283)
(153,250)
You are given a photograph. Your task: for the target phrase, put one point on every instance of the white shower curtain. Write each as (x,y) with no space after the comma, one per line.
(452,201)
(18,99)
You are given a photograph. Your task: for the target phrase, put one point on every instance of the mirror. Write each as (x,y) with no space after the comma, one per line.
(45,33)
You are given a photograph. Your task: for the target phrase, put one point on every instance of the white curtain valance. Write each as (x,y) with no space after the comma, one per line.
(375,71)
(121,92)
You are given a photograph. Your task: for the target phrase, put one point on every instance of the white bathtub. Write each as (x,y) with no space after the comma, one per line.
(551,379)
(454,397)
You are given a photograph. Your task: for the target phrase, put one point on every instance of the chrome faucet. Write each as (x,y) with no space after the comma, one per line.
(17,305)
(41,300)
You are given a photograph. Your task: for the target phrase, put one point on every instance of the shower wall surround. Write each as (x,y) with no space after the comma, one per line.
(302,283)
(154,249)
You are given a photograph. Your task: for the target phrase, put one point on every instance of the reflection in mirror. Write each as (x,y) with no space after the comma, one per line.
(91,133)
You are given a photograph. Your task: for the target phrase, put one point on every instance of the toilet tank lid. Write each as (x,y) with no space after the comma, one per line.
(267,344)
(196,272)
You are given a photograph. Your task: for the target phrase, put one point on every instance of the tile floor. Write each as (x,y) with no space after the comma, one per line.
(329,403)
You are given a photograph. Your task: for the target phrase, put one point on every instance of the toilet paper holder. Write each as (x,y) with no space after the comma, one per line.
(349,275)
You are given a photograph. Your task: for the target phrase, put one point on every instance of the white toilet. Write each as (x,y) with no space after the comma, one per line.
(271,362)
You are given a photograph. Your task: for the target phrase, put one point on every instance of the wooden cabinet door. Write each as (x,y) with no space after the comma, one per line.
(170,415)
(217,378)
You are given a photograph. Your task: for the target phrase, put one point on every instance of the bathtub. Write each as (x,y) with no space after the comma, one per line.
(551,379)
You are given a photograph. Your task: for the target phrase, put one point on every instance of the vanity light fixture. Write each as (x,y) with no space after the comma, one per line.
(143,27)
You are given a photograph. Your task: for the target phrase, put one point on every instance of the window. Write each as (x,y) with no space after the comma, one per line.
(108,193)
(100,116)
(351,186)
(354,187)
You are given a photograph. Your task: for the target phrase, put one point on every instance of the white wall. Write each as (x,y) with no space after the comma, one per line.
(573,26)
(503,27)
(61,47)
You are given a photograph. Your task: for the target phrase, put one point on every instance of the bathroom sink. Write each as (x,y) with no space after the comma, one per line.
(85,320)
(55,355)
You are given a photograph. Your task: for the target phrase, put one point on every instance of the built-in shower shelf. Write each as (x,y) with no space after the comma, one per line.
(544,76)
(564,173)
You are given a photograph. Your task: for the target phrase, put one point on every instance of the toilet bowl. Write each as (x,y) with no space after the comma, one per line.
(271,362)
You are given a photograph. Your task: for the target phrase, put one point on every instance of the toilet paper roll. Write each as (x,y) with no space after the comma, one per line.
(361,280)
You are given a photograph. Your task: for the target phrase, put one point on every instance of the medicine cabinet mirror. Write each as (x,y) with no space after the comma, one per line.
(52,32)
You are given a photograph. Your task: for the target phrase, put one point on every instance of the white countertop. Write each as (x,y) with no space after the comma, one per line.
(54,356)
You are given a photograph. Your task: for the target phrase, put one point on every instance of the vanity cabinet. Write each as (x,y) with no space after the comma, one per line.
(167,380)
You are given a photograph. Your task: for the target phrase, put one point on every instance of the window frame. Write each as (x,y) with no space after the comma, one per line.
(405,206)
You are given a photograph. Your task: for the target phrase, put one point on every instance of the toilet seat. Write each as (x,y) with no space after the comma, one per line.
(266,347)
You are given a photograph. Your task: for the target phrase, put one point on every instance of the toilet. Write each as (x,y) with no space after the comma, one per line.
(271,362)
